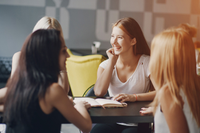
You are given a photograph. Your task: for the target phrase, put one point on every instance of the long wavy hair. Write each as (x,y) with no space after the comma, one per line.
(38,68)
(132,28)
(172,63)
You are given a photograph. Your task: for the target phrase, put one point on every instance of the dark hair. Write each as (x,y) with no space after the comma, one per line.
(38,68)
(132,28)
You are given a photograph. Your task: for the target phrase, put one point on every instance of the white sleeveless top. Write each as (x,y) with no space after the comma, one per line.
(161,124)
(139,82)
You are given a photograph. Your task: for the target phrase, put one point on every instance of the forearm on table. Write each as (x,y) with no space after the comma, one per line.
(63,81)
(146,96)
(83,112)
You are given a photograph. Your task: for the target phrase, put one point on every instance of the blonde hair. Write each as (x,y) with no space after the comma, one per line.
(173,64)
(48,23)
(192,30)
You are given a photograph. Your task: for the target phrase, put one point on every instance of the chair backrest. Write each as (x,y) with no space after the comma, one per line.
(82,71)
(90,92)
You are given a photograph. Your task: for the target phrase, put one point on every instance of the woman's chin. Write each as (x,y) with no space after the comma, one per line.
(117,52)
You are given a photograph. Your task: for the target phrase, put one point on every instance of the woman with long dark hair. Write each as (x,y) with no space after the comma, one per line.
(35,101)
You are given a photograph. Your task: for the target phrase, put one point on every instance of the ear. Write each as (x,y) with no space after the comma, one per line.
(133,41)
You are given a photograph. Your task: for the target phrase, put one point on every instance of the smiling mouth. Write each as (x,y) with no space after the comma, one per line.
(117,48)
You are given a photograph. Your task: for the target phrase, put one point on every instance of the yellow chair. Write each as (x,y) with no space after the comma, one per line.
(82,71)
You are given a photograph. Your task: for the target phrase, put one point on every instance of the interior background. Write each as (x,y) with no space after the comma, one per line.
(85,21)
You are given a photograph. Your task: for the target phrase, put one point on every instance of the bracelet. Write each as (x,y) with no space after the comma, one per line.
(135,97)
(63,71)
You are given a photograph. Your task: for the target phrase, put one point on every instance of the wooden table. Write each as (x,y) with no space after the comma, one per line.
(129,114)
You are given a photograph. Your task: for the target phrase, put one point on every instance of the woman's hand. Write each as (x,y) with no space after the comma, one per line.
(70,98)
(146,111)
(83,104)
(124,97)
(111,55)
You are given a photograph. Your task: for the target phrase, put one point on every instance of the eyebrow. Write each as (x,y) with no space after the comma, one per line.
(121,35)
(64,46)
(118,35)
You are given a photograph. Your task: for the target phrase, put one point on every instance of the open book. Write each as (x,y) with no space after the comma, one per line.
(100,102)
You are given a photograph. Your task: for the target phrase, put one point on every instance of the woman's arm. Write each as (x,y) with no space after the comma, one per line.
(173,113)
(146,96)
(135,97)
(78,114)
(103,80)
(15,61)
(2,94)
(2,98)
(104,75)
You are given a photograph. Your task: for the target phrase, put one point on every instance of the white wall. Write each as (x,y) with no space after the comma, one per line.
(85,21)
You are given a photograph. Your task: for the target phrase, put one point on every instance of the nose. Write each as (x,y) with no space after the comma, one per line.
(114,41)
(67,55)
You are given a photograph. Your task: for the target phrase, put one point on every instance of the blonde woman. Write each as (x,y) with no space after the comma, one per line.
(192,31)
(173,74)
(44,23)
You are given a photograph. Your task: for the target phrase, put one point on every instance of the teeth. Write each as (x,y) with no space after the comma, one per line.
(117,47)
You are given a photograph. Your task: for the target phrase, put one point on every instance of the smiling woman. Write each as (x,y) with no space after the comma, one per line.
(125,74)
(131,28)
(120,41)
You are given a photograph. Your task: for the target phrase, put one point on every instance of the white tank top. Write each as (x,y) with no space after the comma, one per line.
(139,81)
(161,124)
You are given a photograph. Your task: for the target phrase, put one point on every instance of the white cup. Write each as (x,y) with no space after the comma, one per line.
(94,49)
(97,45)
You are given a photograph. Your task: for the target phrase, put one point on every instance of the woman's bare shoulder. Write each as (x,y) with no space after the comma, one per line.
(55,87)
(166,98)
(17,54)
(164,93)
(55,91)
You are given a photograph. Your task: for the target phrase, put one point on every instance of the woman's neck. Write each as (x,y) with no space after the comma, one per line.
(128,59)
